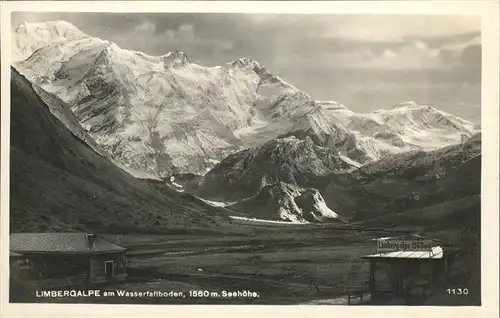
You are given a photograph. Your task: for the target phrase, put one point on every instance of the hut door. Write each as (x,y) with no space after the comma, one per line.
(109,268)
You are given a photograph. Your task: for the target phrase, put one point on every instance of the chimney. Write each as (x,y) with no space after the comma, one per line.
(91,240)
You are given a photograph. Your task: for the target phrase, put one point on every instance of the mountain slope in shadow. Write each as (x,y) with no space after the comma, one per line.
(58,182)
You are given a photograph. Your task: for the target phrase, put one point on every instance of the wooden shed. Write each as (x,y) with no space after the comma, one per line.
(408,274)
(60,259)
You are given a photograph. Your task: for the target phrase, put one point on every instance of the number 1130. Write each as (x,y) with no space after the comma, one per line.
(457,291)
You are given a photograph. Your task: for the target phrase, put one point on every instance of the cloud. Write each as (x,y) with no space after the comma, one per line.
(184,33)
(459,47)
(394,28)
(416,55)
(146,26)
(410,57)
(186,39)
(421,46)
(389,54)
(442,53)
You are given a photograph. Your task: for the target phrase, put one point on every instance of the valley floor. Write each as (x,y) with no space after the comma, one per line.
(311,265)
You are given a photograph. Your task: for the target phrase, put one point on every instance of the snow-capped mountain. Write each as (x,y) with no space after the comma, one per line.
(368,137)
(159,113)
(29,37)
(166,114)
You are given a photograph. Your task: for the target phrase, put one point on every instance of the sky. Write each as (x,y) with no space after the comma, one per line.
(366,62)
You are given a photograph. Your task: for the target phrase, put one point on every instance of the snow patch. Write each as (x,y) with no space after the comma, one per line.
(216,203)
(350,161)
(267,221)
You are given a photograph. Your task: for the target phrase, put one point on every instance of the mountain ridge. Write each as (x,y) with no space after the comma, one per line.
(165,114)
(387,189)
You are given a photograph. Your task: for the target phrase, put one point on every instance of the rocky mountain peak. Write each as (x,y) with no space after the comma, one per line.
(175,59)
(288,202)
(246,62)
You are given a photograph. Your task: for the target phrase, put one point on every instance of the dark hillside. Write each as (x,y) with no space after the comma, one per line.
(56,179)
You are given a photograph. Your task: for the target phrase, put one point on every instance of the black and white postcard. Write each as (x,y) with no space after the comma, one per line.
(339,156)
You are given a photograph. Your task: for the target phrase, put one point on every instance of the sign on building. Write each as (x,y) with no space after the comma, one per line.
(387,245)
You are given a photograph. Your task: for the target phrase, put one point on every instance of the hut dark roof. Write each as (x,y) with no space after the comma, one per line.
(60,243)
